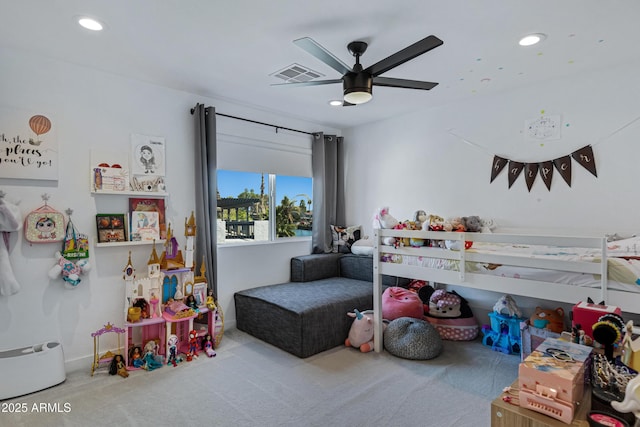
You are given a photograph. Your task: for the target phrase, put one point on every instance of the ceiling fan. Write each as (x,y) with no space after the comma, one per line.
(358,82)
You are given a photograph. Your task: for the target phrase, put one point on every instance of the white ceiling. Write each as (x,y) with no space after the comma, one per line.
(228,49)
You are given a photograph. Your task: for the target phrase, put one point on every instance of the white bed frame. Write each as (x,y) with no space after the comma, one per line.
(627,301)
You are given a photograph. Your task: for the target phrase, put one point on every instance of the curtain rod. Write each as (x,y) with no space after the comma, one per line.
(259,123)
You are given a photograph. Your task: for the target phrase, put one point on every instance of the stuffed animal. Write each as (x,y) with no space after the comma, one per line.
(10,220)
(487,225)
(508,304)
(383,220)
(70,271)
(361,332)
(472,223)
(548,319)
(400,302)
(419,218)
(444,304)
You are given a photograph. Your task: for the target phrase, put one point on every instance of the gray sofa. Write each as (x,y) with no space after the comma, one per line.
(309,314)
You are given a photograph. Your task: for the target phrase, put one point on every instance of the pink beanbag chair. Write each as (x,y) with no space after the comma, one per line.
(400,302)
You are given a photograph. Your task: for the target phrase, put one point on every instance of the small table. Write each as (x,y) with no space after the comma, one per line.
(505,414)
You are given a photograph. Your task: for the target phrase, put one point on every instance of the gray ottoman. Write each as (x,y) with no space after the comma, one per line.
(411,338)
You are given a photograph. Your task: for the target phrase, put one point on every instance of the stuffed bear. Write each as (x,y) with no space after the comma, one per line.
(548,319)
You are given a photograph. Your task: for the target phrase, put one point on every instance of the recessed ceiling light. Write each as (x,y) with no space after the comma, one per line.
(531,39)
(90,23)
(335,103)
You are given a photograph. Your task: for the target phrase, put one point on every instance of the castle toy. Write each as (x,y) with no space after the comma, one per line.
(144,290)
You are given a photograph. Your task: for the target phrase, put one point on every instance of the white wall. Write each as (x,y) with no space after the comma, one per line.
(95,110)
(414,162)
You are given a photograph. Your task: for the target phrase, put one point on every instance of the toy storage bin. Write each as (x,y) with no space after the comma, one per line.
(29,369)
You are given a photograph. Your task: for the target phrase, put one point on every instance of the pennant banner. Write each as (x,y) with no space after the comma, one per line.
(515,168)
(530,173)
(584,157)
(546,173)
(498,165)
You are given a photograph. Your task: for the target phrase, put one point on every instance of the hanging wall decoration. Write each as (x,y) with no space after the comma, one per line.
(545,128)
(45,224)
(28,145)
(584,157)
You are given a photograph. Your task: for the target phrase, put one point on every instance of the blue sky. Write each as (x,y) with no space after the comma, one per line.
(232,183)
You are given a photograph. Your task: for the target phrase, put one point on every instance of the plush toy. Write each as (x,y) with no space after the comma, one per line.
(10,220)
(419,218)
(444,304)
(508,304)
(70,271)
(383,220)
(400,302)
(361,332)
(472,223)
(548,319)
(487,225)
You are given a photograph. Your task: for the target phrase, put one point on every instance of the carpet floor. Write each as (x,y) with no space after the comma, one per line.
(251,383)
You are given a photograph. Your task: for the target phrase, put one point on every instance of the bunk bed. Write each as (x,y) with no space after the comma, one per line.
(565,269)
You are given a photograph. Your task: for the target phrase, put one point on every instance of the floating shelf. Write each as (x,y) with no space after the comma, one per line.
(133,193)
(128,243)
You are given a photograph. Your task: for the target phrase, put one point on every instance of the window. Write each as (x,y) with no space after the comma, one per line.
(262,207)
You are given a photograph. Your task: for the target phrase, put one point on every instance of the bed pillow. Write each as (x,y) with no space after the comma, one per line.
(344,237)
(362,247)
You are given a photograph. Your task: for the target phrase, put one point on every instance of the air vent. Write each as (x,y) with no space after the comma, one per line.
(296,73)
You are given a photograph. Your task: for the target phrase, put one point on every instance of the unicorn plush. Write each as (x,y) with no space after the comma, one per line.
(361,332)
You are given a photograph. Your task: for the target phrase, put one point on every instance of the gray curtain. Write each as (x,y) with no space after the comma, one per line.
(328,189)
(206,189)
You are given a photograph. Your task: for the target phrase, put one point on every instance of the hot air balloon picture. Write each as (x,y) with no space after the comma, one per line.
(40,125)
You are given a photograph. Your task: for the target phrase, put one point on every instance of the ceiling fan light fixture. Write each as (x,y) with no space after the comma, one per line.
(358,96)
(531,39)
(357,87)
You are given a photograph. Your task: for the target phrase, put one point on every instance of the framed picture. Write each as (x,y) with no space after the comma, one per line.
(150,205)
(147,155)
(111,228)
(200,293)
(145,226)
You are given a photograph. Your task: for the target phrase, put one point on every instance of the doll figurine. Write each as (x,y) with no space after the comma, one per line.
(210,302)
(207,345)
(150,357)
(135,357)
(191,302)
(117,366)
(172,357)
(193,344)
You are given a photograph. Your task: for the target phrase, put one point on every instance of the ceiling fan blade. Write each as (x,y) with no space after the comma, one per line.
(315,49)
(404,55)
(403,83)
(309,83)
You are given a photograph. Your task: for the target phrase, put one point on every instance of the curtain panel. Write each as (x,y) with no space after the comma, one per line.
(205,168)
(327,159)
